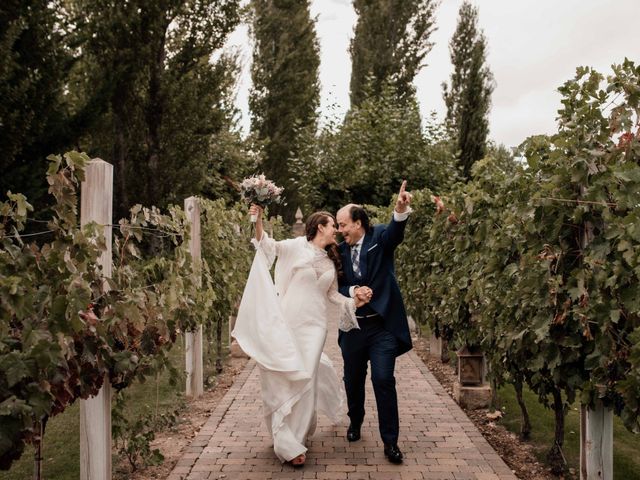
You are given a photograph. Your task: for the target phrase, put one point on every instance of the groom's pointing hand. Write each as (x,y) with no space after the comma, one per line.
(404,198)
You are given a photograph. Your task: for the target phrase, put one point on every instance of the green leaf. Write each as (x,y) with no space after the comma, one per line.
(614,316)
(14,368)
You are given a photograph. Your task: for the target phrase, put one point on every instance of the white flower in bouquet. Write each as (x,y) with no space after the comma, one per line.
(257,189)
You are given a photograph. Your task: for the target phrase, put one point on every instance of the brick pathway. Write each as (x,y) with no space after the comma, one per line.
(436,437)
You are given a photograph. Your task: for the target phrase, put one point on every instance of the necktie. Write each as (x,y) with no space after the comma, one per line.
(355,260)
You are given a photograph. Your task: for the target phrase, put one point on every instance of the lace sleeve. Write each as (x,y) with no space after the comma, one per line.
(347,307)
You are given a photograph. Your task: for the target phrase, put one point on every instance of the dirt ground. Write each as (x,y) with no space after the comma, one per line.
(516,454)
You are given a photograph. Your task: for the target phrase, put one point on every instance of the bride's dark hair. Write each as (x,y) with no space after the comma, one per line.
(311,230)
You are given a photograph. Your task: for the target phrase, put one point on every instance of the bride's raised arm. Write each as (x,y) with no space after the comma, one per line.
(271,247)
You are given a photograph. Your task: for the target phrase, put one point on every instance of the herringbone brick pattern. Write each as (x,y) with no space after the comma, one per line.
(436,437)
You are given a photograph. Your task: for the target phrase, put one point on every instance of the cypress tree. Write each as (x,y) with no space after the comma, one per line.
(468,97)
(130,82)
(390,42)
(34,65)
(286,92)
(166,100)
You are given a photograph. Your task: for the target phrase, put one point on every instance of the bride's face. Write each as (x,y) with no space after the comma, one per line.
(328,232)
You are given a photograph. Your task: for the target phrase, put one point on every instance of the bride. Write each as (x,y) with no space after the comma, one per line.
(283,326)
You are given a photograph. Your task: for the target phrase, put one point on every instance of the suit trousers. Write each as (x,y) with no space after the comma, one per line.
(372,343)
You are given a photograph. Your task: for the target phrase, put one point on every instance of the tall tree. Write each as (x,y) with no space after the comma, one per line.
(468,97)
(286,90)
(132,82)
(390,42)
(34,63)
(365,158)
(166,99)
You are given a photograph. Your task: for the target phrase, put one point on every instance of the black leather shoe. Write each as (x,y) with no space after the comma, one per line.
(393,453)
(353,433)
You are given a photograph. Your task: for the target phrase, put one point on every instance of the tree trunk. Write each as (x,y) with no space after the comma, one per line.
(219,345)
(494,404)
(444,353)
(119,154)
(154,118)
(525,423)
(555,457)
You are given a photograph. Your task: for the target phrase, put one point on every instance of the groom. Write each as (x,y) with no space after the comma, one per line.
(367,256)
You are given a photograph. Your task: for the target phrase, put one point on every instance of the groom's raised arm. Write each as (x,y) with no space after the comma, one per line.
(394,233)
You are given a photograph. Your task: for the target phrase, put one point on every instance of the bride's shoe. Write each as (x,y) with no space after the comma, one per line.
(299,461)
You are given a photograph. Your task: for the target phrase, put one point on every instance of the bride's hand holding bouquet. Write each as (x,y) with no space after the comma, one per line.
(256,212)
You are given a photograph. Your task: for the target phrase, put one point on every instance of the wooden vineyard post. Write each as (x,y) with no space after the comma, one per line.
(596,443)
(193,340)
(596,425)
(96,199)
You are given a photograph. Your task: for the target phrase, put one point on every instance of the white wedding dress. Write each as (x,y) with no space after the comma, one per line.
(283,326)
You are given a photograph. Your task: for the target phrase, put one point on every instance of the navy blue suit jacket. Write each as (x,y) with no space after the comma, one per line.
(378,273)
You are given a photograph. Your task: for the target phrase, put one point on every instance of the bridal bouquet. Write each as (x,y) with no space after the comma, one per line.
(257,189)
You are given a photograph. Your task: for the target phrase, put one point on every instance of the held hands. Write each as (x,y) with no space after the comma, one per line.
(404,198)
(363,296)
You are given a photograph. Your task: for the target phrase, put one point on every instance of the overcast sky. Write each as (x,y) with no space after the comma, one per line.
(534,47)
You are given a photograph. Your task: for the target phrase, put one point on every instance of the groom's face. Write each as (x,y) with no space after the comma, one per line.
(351,231)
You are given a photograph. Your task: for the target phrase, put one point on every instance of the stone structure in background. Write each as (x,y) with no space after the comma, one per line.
(298,228)
(471,389)
(439,348)
(413,328)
